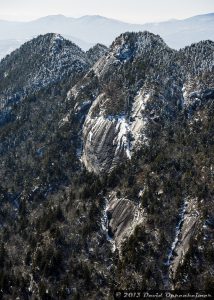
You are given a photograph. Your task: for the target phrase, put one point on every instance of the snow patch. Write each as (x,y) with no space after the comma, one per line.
(90,136)
(177,232)
(122,138)
(139,121)
(105,225)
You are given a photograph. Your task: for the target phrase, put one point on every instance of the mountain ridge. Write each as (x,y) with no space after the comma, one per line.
(58,58)
(177,33)
(106,173)
(165,70)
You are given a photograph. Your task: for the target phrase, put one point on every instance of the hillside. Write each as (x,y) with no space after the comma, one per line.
(106,168)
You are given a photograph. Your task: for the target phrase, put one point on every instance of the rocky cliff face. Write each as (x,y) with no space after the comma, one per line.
(185,231)
(122,217)
(139,81)
(142,88)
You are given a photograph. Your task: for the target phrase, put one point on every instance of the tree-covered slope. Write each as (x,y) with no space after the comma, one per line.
(107,172)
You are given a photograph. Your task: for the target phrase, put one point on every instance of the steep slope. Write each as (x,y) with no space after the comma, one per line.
(40,172)
(197,68)
(34,83)
(34,112)
(146,98)
(131,73)
(37,64)
(141,119)
(139,81)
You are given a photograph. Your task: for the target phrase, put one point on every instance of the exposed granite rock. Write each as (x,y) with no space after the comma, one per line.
(105,139)
(123,217)
(186,232)
(165,82)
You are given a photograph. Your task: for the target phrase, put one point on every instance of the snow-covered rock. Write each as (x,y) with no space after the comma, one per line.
(44,60)
(140,82)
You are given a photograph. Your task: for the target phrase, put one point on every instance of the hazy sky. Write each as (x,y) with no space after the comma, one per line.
(138,11)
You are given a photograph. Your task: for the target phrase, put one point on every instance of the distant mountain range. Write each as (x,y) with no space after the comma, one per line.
(86,31)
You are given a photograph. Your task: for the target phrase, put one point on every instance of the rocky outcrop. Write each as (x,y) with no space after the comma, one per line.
(164,82)
(105,139)
(116,121)
(123,216)
(184,232)
(137,85)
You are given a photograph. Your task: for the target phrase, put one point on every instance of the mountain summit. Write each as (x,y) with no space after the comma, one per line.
(38,63)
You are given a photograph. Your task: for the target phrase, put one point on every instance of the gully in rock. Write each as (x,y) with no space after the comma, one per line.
(105,225)
(168,282)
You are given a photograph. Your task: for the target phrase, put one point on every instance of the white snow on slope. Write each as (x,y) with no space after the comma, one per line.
(139,121)
(122,139)
(105,225)
(177,232)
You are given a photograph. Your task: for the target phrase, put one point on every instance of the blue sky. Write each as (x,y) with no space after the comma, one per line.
(136,11)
